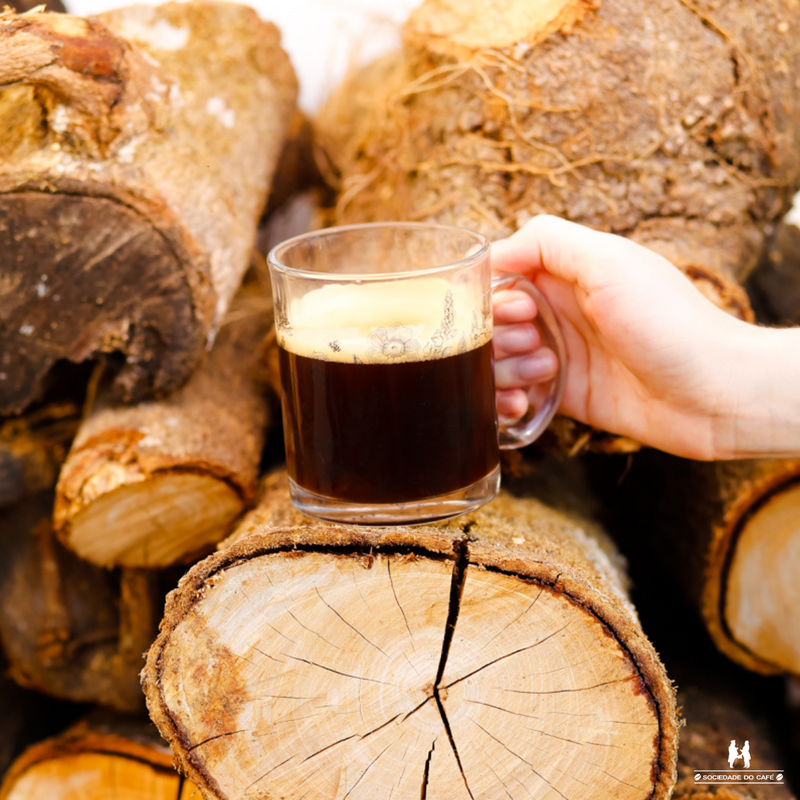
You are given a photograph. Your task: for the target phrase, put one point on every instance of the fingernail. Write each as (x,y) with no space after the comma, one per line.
(519,310)
(517,340)
(537,367)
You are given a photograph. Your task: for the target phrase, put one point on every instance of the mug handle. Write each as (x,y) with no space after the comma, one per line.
(545,397)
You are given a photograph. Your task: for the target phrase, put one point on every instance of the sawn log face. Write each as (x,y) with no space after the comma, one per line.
(493,658)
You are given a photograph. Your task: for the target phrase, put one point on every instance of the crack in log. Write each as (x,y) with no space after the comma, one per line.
(305,627)
(423,794)
(397,600)
(577,689)
(517,618)
(537,730)
(507,655)
(456,589)
(452,741)
(349,624)
(354,736)
(517,755)
(369,767)
(331,669)
(218,736)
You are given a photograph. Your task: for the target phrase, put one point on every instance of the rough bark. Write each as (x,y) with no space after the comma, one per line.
(131,182)
(68,628)
(96,760)
(673,122)
(494,656)
(729,532)
(33,448)
(159,482)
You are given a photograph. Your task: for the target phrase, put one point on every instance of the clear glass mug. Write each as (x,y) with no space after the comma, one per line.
(384,333)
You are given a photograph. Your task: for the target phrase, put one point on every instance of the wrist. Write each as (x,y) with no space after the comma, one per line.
(757,411)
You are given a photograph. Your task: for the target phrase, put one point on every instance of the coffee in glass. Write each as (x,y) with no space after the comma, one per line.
(387,372)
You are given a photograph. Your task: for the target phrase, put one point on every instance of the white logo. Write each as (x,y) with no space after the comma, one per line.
(738,771)
(734,754)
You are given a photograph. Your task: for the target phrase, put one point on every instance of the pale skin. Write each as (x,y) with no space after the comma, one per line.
(648,356)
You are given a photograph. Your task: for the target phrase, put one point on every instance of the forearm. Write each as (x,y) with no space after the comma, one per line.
(759,409)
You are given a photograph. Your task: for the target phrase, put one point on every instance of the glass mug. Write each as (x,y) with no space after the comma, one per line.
(388,396)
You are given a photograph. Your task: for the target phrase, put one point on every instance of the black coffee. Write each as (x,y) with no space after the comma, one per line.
(389,432)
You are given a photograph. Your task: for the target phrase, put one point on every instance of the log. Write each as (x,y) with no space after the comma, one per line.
(160,482)
(729,532)
(131,184)
(323,661)
(33,448)
(675,123)
(106,760)
(68,628)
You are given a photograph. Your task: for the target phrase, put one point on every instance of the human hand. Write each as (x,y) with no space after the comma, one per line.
(647,355)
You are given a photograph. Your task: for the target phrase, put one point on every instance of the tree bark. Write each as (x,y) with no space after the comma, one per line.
(675,123)
(160,482)
(131,183)
(729,532)
(493,656)
(68,628)
(96,760)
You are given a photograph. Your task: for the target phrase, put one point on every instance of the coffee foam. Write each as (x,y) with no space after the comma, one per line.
(386,322)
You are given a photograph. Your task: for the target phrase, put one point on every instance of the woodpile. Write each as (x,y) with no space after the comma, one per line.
(498,655)
(131,183)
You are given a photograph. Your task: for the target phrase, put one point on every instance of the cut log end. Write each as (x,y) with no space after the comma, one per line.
(760,595)
(355,672)
(457,28)
(88,764)
(157,522)
(109,258)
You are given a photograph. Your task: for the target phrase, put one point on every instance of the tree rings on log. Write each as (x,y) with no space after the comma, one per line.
(492,658)
(132,177)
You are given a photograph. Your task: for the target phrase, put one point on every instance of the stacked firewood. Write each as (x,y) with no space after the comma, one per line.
(497,655)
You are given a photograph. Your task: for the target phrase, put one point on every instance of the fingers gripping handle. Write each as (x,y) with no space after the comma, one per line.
(544,397)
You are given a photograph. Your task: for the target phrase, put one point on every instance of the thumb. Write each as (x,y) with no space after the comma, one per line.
(575,253)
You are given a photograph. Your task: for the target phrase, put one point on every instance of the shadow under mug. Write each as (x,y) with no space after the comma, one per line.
(388,395)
